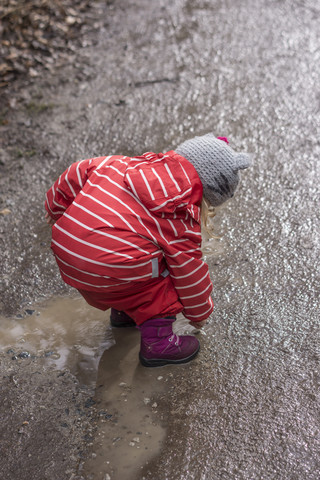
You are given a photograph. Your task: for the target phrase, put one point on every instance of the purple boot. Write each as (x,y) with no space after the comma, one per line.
(120,319)
(160,346)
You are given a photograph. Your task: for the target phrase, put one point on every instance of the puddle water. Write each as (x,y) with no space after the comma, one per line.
(64,332)
(130,428)
(68,333)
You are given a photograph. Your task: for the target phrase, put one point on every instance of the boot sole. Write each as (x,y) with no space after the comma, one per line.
(157,362)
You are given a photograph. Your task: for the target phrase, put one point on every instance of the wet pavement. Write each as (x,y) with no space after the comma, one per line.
(248,406)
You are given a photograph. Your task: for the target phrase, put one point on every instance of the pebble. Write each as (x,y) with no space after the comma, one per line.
(105,414)
(48,354)
(89,403)
(24,355)
(54,355)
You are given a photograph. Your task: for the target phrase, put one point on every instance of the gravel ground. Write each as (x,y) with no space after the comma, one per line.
(47,421)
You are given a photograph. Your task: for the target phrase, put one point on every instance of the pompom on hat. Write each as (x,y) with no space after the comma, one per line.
(217,165)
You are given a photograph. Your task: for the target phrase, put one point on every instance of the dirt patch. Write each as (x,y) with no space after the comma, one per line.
(40,34)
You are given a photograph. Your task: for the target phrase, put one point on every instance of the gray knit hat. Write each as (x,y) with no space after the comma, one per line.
(216,164)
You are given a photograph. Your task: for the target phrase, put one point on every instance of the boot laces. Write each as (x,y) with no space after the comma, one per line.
(173,337)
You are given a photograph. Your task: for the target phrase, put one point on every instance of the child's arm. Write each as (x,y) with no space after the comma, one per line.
(190,276)
(66,188)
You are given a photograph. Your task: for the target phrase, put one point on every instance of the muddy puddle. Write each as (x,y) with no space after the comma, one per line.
(67,333)
(63,332)
(131,430)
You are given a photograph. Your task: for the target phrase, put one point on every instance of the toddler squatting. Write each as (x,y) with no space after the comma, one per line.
(126,232)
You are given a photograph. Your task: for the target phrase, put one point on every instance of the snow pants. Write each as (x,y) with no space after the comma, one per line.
(140,300)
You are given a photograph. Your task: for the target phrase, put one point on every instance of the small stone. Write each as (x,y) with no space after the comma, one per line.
(105,414)
(89,403)
(54,355)
(5,211)
(136,439)
(146,400)
(160,378)
(33,72)
(24,355)
(154,405)
(70,20)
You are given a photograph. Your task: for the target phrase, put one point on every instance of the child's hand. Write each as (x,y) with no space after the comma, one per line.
(198,325)
(49,220)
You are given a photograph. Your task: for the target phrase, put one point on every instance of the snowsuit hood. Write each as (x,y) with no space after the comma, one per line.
(165,183)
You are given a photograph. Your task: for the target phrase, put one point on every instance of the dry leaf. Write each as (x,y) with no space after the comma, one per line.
(5,211)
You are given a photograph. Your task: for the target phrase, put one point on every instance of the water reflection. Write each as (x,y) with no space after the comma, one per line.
(65,332)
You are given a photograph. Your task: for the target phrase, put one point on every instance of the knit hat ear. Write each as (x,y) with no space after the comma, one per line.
(217,165)
(242,161)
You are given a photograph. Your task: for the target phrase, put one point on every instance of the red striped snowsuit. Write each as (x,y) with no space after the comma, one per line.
(128,235)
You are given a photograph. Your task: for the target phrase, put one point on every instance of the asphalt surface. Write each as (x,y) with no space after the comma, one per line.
(159,73)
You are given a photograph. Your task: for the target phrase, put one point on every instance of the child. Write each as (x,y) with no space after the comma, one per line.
(126,232)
